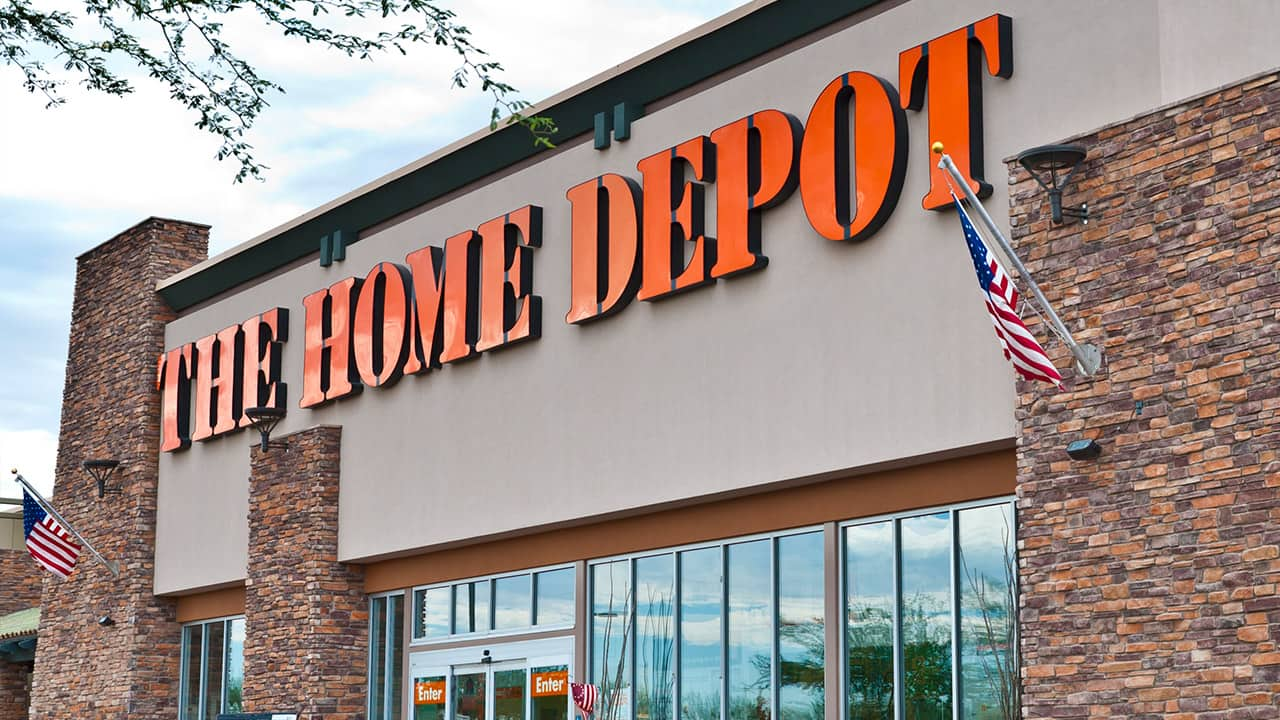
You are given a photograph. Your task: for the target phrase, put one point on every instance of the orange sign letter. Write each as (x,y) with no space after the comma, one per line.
(606,246)
(844,205)
(506,278)
(264,338)
(951,68)
(173,379)
(380,331)
(755,169)
(327,373)
(667,226)
(217,377)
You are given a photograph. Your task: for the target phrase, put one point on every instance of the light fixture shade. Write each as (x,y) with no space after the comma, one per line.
(1052,166)
(100,470)
(264,420)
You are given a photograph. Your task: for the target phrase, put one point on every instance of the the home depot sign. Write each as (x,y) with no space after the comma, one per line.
(629,239)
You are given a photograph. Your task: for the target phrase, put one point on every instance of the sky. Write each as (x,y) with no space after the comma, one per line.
(72,177)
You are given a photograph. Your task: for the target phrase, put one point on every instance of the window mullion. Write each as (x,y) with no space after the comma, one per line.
(955,615)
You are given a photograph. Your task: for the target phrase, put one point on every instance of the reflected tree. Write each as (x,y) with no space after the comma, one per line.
(996,633)
(654,697)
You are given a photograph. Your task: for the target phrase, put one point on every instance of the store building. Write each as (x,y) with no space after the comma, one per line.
(701,406)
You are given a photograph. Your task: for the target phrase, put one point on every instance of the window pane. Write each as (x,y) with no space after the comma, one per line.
(235,666)
(215,642)
(555,597)
(469,696)
(801,630)
(610,634)
(513,602)
(431,617)
(988,665)
(192,650)
(550,690)
(750,630)
(700,598)
(377,651)
(656,591)
(428,698)
(471,607)
(869,602)
(395,644)
(508,694)
(926,616)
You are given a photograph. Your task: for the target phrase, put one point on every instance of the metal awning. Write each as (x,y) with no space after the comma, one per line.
(18,635)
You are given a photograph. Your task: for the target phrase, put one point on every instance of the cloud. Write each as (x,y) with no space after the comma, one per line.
(32,453)
(76,175)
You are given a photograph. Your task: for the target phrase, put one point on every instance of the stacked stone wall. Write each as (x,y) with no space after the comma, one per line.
(1149,576)
(19,581)
(110,409)
(306,614)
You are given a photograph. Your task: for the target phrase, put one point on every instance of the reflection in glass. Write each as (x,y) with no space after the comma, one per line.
(512,602)
(655,637)
(508,693)
(468,696)
(191,638)
(216,641)
(750,631)
(988,665)
(926,616)
(801,628)
(377,651)
(869,597)
(549,692)
(428,697)
(700,648)
(471,607)
(431,619)
(611,629)
(555,597)
(395,658)
(235,666)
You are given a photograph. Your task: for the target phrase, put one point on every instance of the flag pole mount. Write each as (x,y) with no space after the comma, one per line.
(1088,356)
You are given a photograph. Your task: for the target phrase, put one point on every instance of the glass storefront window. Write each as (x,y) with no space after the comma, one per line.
(988,614)
(512,602)
(612,623)
(912,585)
(212,669)
(869,612)
(926,616)
(386,657)
(554,597)
(499,604)
(801,627)
(429,697)
(655,637)
(701,599)
(749,630)
(547,690)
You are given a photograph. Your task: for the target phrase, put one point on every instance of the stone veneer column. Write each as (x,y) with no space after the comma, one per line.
(20,579)
(306,614)
(110,409)
(13,690)
(1149,576)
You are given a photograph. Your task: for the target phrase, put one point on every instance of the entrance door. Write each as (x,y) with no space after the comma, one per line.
(515,681)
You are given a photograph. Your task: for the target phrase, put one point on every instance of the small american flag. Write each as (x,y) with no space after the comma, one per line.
(584,696)
(47,542)
(1019,345)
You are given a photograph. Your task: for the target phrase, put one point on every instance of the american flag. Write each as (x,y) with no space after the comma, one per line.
(47,542)
(584,696)
(1019,345)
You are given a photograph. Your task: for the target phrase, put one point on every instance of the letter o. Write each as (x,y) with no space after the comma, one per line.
(844,203)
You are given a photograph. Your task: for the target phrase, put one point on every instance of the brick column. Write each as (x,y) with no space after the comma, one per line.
(14,677)
(1150,575)
(110,409)
(306,614)
(20,578)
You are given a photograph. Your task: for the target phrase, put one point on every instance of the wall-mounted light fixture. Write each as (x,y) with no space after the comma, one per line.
(101,471)
(1084,449)
(264,420)
(1056,164)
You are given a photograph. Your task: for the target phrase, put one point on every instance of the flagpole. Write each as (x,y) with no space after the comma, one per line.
(1088,357)
(113,567)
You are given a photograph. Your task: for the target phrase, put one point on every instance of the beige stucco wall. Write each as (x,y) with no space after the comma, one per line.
(834,357)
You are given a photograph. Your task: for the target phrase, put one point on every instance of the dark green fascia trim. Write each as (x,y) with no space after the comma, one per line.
(759,32)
